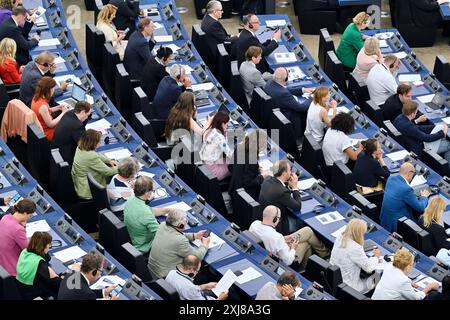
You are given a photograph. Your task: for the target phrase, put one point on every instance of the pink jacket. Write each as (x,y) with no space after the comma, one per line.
(13,239)
(364,63)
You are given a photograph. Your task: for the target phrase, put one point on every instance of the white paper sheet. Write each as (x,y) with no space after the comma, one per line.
(383,44)
(298,290)
(59,60)
(74,78)
(39,12)
(434,145)
(339,231)
(71,253)
(446,120)
(418,180)
(225,283)
(398,155)
(48,42)
(426,281)
(329,217)
(427,98)
(285,57)
(145,173)
(202,86)
(384,35)
(40,22)
(118,154)
(339,110)
(409,77)
(157,25)
(306,184)
(295,73)
(40,225)
(167,38)
(443,1)
(107,281)
(179,205)
(247,275)
(265,164)
(187,68)
(100,125)
(215,241)
(275,23)
(401,54)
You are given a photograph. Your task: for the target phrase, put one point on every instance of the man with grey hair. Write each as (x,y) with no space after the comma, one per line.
(289,99)
(215,32)
(169,89)
(139,217)
(171,245)
(120,188)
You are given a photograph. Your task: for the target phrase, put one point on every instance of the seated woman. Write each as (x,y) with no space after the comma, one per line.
(352,40)
(431,220)
(35,277)
(395,284)
(246,172)
(370,171)
(181,120)
(337,144)
(121,186)
(368,56)
(41,106)
(348,254)
(105,25)
(318,119)
(9,68)
(87,160)
(215,146)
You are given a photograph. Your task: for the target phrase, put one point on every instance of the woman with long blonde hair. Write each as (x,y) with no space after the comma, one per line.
(105,25)
(9,68)
(431,220)
(349,255)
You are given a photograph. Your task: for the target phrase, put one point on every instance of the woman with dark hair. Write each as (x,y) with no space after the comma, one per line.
(182,116)
(41,106)
(246,172)
(336,143)
(215,146)
(370,171)
(35,277)
(87,160)
(155,70)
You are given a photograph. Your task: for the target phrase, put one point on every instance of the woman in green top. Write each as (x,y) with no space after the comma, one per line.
(87,160)
(34,277)
(352,40)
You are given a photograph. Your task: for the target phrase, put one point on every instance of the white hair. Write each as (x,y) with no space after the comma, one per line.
(212,5)
(175,217)
(176,70)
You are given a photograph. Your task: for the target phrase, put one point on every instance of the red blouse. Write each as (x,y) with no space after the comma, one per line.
(9,72)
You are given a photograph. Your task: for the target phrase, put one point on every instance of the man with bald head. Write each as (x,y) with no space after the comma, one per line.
(297,246)
(289,99)
(399,198)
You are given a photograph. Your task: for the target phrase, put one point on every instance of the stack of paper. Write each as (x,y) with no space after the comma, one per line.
(285,57)
(409,77)
(69,254)
(202,86)
(101,125)
(427,98)
(48,42)
(275,23)
(215,241)
(329,217)
(118,154)
(247,275)
(418,180)
(179,205)
(167,38)
(59,60)
(398,155)
(40,225)
(306,183)
(225,283)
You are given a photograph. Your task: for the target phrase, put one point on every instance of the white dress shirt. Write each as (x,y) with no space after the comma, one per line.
(381,84)
(395,285)
(351,260)
(273,241)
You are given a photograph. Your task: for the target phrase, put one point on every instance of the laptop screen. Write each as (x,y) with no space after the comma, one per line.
(78,93)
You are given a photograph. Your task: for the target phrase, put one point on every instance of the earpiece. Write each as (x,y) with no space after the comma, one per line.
(191,275)
(393,63)
(246,20)
(287,75)
(275,219)
(179,73)
(42,64)
(94,272)
(181,226)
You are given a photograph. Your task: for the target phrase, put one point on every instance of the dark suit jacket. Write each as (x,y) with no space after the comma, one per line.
(273,192)
(415,135)
(215,32)
(166,96)
(67,133)
(425,13)
(368,171)
(137,53)
(283,98)
(68,289)
(152,75)
(245,175)
(438,235)
(8,29)
(247,39)
(392,108)
(127,12)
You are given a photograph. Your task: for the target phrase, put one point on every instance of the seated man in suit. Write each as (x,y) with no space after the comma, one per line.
(250,75)
(169,89)
(284,98)
(139,48)
(155,71)
(127,12)
(69,130)
(215,32)
(275,192)
(399,198)
(17,28)
(394,104)
(415,135)
(75,285)
(43,65)
(247,38)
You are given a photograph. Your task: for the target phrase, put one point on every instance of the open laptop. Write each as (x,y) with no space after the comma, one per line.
(437,102)
(78,94)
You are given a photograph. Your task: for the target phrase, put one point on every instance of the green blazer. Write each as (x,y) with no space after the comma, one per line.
(350,45)
(93,162)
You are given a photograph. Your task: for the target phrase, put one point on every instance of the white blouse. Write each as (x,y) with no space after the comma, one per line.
(111,36)
(214,146)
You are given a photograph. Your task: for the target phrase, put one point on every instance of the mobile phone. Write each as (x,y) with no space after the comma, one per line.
(126,30)
(14,199)
(206,234)
(116,291)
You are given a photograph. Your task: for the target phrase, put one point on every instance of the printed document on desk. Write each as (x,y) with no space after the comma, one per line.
(427,98)
(285,57)
(214,242)
(295,73)
(426,281)
(338,110)
(167,38)
(40,225)
(179,205)
(418,180)
(225,283)
(398,155)
(101,125)
(434,145)
(68,254)
(329,217)
(247,275)
(339,231)
(202,86)
(383,44)
(275,23)
(49,42)
(401,54)
(119,154)
(107,281)
(59,60)
(409,77)
(306,183)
